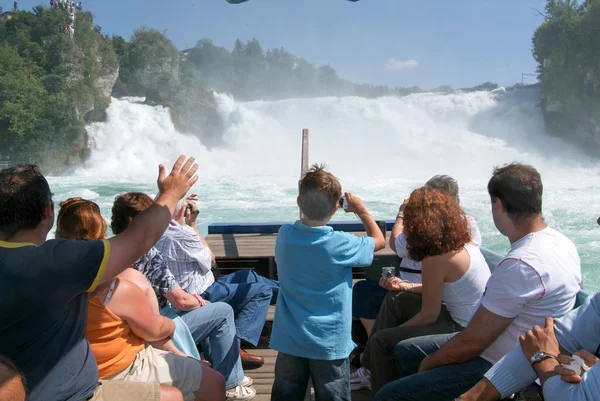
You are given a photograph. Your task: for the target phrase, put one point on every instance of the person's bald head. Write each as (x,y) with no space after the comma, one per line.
(12,383)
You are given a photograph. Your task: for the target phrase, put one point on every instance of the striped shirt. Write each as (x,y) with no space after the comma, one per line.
(154,266)
(187,257)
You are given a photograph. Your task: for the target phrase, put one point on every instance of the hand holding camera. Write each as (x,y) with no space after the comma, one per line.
(354,204)
(191,212)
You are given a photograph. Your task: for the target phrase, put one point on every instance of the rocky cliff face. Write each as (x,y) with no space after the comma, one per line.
(153,67)
(575,116)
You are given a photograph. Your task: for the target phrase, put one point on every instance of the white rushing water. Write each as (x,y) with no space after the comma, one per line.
(380,148)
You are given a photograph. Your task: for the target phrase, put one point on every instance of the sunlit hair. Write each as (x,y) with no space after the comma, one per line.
(181,204)
(126,207)
(444,183)
(434,224)
(80,219)
(319,191)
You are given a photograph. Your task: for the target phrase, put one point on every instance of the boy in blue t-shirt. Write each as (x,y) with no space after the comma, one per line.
(313,319)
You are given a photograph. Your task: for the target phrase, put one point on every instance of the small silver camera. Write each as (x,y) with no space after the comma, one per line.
(388,272)
(343,202)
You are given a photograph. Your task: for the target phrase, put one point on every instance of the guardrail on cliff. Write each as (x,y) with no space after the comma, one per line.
(4,164)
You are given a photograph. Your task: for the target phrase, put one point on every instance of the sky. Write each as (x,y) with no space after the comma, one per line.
(460,43)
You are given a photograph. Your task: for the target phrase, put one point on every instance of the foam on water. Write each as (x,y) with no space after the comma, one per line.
(380,148)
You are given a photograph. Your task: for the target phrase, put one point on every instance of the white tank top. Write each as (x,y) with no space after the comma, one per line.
(462,296)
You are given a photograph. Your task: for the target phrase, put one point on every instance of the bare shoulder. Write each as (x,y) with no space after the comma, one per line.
(135,277)
(126,293)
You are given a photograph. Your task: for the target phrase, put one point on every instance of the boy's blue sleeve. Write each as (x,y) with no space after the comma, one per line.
(355,250)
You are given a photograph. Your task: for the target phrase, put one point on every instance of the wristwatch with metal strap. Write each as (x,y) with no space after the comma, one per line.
(540,356)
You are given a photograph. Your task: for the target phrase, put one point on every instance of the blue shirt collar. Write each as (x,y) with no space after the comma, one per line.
(319,229)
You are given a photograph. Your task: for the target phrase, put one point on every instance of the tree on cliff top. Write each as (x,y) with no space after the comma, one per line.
(48,82)
(154,62)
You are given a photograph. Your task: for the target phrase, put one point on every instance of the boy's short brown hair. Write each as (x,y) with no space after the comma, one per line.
(320,191)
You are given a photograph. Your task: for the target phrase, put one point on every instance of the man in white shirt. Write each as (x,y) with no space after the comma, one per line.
(539,277)
(190,260)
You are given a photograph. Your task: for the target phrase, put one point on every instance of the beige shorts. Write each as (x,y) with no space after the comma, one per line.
(156,366)
(117,390)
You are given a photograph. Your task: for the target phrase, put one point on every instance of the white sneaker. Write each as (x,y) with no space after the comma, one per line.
(240,393)
(246,382)
(360,379)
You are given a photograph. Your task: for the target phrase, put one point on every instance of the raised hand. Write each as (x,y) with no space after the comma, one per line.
(355,204)
(180,180)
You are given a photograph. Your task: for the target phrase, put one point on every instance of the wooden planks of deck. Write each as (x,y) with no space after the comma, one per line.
(265,375)
(254,245)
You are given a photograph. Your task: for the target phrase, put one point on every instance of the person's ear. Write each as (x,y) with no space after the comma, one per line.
(298,200)
(497,204)
(49,211)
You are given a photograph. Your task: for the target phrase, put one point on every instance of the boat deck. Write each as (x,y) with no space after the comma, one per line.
(264,376)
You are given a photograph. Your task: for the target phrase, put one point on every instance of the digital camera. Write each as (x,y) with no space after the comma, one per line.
(343,202)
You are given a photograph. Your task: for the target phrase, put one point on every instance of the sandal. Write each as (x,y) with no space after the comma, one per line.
(240,393)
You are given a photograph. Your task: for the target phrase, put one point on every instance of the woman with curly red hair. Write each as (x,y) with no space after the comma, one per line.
(454,275)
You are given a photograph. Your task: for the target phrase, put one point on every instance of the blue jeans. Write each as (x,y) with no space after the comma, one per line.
(440,384)
(249,295)
(213,327)
(330,379)
(367,297)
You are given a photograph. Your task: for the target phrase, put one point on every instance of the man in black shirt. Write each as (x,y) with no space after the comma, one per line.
(44,284)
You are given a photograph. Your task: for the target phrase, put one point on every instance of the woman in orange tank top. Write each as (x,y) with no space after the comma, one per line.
(122,320)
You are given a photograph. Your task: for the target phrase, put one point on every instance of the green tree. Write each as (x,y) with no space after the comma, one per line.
(154,62)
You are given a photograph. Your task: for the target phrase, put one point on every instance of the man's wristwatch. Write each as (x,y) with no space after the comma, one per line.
(539,357)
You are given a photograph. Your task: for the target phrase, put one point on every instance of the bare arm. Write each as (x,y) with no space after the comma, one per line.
(167,345)
(396,284)
(372,230)
(147,228)
(483,330)
(140,280)
(183,300)
(190,220)
(130,304)
(357,206)
(434,272)
(398,226)
(482,391)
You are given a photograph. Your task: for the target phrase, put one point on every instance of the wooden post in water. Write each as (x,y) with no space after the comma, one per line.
(304,161)
(303,170)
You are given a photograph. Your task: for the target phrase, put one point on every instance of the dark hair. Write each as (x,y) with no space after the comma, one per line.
(126,207)
(80,219)
(24,196)
(8,370)
(519,188)
(434,224)
(320,191)
(446,184)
